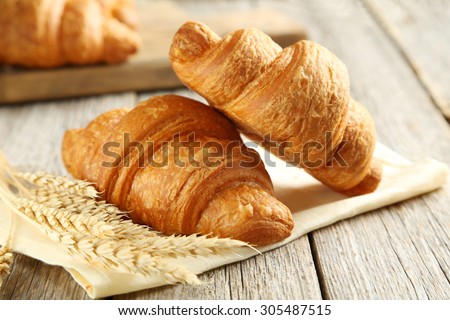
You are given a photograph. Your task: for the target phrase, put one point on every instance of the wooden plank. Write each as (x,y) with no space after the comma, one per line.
(32,279)
(260,277)
(421,29)
(242,14)
(32,141)
(149,68)
(406,261)
(400,251)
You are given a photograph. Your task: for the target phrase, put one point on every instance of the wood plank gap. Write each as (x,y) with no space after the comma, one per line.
(8,279)
(440,266)
(387,30)
(35,266)
(242,274)
(431,247)
(398,256)
(233,294)
(324,292)
(425,203)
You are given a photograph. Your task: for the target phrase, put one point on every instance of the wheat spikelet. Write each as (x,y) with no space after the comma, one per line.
(124,257)
(6,260)
(58,200)
(141,236)
(84,235)
(184,246)
(70,213)
(120,222)
(62,221)
(59,183)
(147,240)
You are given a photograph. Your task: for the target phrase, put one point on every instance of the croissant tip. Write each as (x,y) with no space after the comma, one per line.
(247,213)
(370,182)
(271,232)
(190,32)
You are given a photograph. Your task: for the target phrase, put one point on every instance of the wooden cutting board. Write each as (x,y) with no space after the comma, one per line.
(147,70)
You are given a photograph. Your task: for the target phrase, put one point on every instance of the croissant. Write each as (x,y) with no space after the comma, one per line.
(122,10)
(294,100)
(180,167)
(51,33)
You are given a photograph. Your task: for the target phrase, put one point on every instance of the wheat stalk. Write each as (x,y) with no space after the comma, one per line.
(62,221)
(6,260)
(82,234)
(141,236)
(119,255)
(119,220)
(185,246)
(59,183)
(85,236)
(123,232)
(70,213)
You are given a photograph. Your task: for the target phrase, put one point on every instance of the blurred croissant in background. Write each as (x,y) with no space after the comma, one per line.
(51,33)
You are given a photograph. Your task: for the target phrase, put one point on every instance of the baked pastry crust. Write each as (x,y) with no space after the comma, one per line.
(298,97)
(52,33)
(225,192)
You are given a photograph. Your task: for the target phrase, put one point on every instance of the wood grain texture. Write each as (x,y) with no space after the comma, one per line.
(421,29)
(394,252)
(32,279)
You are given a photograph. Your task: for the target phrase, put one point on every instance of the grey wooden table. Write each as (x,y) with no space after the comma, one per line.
(397,53)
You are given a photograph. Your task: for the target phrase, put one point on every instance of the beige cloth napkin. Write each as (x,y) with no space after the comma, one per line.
(313,205)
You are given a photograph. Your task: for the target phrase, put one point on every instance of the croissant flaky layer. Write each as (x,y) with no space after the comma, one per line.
(51,33)
(296,98)
(180,167)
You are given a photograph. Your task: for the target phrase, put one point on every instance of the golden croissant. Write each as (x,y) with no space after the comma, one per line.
(297,98)
(51,33)
(210,184)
